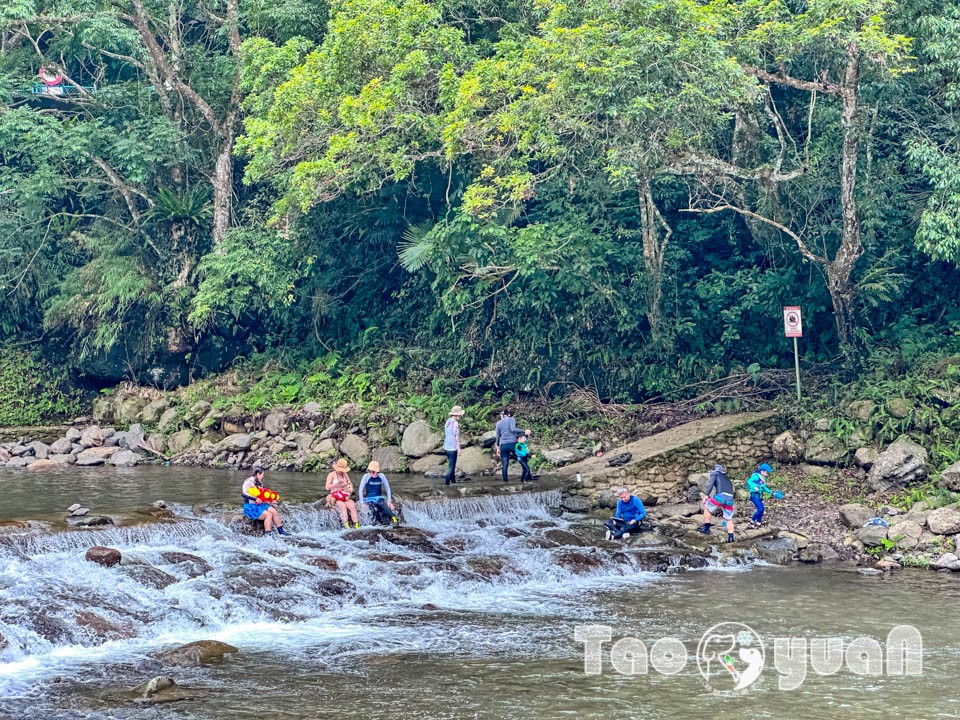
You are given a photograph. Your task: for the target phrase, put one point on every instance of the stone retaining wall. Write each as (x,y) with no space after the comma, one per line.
(664,476)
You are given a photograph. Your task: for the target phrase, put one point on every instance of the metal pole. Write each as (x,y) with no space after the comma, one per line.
(796,363)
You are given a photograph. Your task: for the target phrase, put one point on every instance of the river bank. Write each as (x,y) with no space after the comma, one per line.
(479,587)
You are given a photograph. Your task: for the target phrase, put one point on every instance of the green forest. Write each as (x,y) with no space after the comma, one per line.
(530,195)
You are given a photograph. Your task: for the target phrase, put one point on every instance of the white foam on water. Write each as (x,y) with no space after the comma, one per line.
(269,592)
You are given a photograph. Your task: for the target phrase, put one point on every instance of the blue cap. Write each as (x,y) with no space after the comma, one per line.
(718,468)
(765,468)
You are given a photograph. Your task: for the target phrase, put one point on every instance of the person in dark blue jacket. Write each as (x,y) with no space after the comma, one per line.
(629,517)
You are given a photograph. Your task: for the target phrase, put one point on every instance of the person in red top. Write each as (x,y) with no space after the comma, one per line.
(340,488)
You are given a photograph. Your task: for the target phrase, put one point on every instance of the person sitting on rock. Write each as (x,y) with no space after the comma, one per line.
(256,509)
(523,452)
(341,490)
(629,517)
(758,486)
(721,499)
(375,492)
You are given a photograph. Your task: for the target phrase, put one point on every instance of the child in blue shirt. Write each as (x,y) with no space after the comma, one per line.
(522,452)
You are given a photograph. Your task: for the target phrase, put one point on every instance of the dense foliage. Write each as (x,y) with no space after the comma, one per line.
(522,194)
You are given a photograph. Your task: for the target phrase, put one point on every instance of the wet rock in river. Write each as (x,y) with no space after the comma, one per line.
(563,537)
(410,537)
(334,587)
(108,557)
(196,653)
(90,521)
(181,558)
(102,628)
(578,562)
(43,465)
(150,576)
(778,550)
(324,563)
(487,566)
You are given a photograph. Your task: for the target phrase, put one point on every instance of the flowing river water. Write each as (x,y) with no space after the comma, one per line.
(476,621)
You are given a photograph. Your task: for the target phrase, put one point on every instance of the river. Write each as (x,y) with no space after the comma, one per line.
(476,621)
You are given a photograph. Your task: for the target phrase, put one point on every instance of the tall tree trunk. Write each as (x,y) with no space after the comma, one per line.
(223,185)
(654,245)
(840,270)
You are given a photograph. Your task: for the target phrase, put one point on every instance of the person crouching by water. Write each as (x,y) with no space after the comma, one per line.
(256,509)
(722,499)
(629,517)
(375,492)
(340,489)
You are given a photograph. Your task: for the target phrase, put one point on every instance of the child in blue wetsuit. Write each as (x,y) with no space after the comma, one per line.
(375,492)
(629,517)
(758,486)
(523,452)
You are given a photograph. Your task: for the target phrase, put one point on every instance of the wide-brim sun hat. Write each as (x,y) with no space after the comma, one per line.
(374,466)
(456,411)
(341,465)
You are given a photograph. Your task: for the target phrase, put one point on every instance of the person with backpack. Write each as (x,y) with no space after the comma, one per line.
(375,492)
(720,500)
(757,486)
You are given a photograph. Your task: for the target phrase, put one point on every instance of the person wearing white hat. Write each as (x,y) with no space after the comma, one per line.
(451,443)
(375,492)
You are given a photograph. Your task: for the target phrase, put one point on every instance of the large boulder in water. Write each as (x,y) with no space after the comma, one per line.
(124,458)
(779,550)
(419,440)
(196,653)
(108,557)
(902,463)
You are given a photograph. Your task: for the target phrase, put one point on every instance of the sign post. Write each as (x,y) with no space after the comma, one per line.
(793,327)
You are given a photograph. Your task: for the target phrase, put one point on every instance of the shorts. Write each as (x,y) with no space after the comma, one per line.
(722,501)
(253,510)
(340,496)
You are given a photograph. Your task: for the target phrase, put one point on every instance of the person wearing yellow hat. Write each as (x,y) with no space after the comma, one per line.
(375,492)
(341,489)
(451,442)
